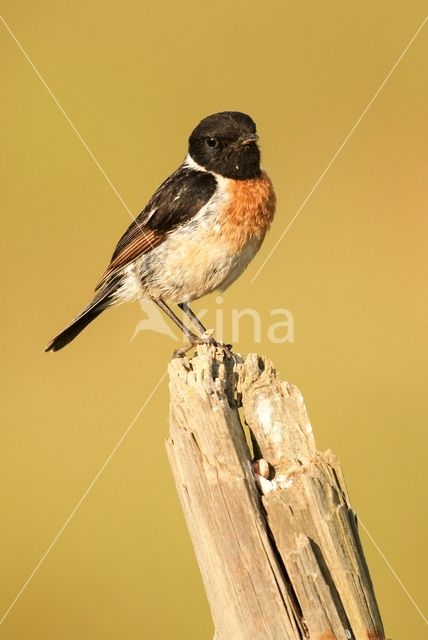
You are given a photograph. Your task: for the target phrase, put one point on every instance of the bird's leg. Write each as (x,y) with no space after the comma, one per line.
(194,318)
(191,337)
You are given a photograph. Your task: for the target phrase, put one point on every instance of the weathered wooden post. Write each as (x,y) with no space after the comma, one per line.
(273,531)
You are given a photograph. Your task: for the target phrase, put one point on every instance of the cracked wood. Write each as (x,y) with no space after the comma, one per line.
(280,556)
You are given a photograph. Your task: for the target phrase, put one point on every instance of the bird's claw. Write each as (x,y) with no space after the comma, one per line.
(206,338)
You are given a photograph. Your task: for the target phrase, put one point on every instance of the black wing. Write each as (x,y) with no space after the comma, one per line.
(177,200)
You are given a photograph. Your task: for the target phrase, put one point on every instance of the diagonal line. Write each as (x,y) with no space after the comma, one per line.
(80,501)
(122,438)
(72,125)
(317,183)
(394,573)
(120,441)
(66,116)
(382,555)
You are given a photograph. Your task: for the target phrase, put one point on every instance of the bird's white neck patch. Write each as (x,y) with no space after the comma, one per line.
(192,164)
(189,162)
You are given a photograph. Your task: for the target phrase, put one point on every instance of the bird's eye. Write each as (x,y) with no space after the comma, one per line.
(212,142)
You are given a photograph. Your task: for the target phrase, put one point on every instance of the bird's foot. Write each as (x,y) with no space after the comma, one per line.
(222,345)
(181,351)
(206,338)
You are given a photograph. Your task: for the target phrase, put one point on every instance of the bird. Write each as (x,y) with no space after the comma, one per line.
(197,233)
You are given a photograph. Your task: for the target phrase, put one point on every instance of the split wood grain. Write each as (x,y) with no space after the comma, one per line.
(280,556)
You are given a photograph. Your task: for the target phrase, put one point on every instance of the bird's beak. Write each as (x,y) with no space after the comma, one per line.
(249,137)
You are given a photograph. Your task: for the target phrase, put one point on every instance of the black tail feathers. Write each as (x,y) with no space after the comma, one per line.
(83,319)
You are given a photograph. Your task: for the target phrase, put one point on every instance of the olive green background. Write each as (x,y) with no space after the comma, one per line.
(135,77)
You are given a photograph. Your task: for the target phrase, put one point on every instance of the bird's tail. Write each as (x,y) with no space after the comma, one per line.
(97,306)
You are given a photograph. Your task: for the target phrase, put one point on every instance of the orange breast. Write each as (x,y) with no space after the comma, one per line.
(250,210)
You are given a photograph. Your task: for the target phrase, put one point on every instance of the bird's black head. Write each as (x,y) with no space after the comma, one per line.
(226,143)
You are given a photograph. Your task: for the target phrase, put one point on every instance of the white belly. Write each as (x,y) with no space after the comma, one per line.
(185,267)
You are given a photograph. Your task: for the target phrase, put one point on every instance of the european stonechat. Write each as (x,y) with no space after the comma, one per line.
(198,232)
